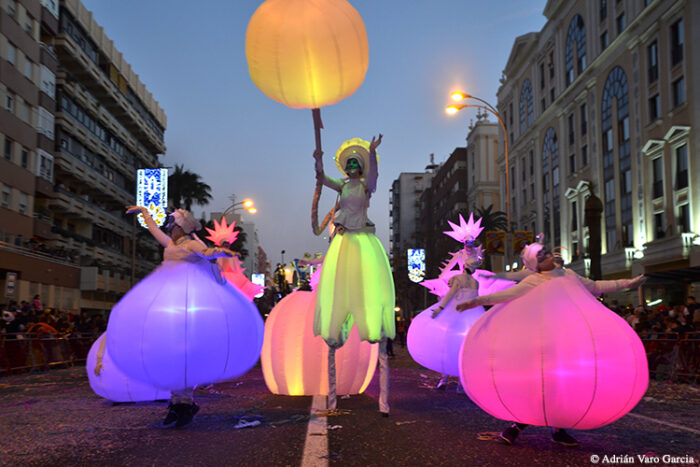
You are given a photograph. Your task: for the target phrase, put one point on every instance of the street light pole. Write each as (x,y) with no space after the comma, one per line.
(453,109)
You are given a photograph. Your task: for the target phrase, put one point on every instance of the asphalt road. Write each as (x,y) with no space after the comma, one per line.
(54,418)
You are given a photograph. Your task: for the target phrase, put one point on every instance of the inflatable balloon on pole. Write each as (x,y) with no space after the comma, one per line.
(307,54)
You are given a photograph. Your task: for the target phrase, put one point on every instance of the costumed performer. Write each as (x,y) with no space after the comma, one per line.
(541,263)
(356,285)
(180,246)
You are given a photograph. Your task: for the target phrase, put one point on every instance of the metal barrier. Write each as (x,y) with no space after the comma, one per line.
(674,357)
(22,352)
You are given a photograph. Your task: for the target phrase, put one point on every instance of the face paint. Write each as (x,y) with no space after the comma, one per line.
(352,164)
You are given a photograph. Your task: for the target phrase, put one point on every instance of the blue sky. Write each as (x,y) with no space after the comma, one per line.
(191,57)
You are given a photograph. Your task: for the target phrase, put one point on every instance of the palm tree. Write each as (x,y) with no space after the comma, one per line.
(187,188)
(490,221)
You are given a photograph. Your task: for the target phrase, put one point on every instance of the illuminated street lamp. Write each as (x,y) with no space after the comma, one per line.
(247,205)
(452,109)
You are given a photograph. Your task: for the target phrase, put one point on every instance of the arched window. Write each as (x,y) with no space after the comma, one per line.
(550,184)
(526,106)
(577,34)
(616,88)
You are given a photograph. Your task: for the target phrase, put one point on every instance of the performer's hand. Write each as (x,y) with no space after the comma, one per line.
(436,311)
(466,305)
(375,142)
(98,368)
(318,156)
(130,209)
(637,281)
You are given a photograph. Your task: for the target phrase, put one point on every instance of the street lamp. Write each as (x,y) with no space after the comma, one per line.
(247,204)
(452,109)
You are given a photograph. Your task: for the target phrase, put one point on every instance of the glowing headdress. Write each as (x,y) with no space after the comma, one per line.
(465,232)
(222,232)
(529,253)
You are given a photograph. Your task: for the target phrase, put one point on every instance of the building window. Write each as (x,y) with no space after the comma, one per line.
(677,42)
(572,134)
(584,119)
(46,123)
(10,102)
(604,41)
(526,109)
(682,167)
(620,23)
(28,68)
(653,60)
(22,207)
(657,169)
(28,23)
(683,218)
(532,163)
(572,163)
(25,112)
(584,155)
(25,158)
(11,53)
(551,65)
(659,227)
(603,9)
(576,34)
(8,148)
(678,92)
(6,196)
(11,8)
(45,165)
(543,105)
(48,82)
(541,75)
(574,217)
(532,191)
(615,91)
(654,104)
(551,95)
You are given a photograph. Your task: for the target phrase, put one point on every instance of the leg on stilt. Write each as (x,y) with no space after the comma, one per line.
(332,397)
(383,379)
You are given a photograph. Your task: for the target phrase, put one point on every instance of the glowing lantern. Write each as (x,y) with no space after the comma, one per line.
(307,53)
(554,357)
(109,382)
(435,342)
(179,327)
(295,362)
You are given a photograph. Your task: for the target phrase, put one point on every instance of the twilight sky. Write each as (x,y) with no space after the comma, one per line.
(191,57)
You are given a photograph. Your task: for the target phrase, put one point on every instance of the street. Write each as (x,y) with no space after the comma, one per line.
(54,418)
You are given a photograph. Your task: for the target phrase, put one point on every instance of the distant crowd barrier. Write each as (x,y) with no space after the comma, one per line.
(23,352)
(672,357)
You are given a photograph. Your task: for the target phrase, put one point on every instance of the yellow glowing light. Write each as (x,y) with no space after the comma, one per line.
(252,210)
(451,109)
(458,96)
(248,203)
(307,53)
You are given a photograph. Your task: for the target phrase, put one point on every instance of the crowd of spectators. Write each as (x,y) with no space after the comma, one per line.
(675,320)
(35,245)
(31,319)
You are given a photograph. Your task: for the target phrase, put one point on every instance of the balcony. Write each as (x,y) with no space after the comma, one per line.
(668,249)
(92,279)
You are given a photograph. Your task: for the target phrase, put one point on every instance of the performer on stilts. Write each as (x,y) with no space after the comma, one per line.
(356,286)
(542,267)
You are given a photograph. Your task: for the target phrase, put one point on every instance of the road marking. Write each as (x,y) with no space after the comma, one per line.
(316,444)
(680,427)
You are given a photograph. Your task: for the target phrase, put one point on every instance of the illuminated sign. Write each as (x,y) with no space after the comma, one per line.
(416,264)
(258,279)
(152,193)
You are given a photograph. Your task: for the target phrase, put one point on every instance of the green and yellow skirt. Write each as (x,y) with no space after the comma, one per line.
(356,287)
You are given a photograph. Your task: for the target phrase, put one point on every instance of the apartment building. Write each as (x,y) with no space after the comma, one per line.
(77,123)
(602,101)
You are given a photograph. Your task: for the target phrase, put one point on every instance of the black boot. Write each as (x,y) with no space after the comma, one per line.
(186,413)
(562,437)
(172,415)
(509,435)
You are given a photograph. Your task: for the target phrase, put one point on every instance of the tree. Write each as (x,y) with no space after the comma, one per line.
(187,188)
(490,221)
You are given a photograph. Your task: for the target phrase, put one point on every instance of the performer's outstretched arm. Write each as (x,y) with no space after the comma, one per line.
(503,296)
(158,234)
(600,287)
(372,171)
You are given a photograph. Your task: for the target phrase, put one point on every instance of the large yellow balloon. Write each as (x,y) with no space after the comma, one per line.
(307,53)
